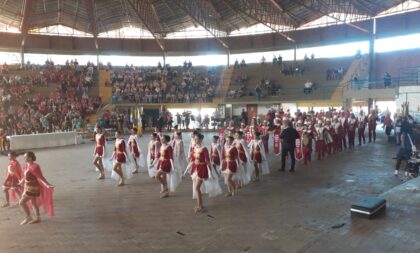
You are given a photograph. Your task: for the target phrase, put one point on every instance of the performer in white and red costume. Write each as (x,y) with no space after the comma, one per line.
(134,151)
(99,152)
(230,160)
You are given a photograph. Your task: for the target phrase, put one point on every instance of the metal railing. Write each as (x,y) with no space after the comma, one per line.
(380,83)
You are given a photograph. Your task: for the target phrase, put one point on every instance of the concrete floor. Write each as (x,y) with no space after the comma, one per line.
(284,213)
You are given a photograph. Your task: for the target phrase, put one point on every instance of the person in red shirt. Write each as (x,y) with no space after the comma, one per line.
(120,157)
(164,165)
(99,152)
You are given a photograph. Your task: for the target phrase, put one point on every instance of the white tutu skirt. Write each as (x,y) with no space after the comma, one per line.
(141,162)
(210,186)
(243,174)
(265,170)
(174,179)
(127,169)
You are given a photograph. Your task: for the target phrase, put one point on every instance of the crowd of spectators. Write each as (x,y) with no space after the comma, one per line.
(66,108)
(164,84)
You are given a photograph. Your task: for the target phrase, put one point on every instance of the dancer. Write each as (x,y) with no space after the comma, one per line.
(36,189)
(265,135)
(153,149)
(362,120)
(99,152)
(120,168)
(203,180)
(352,130)
(320,140)
(230,160)
(306,144)
(192,142)
(11,182)
(244,174)
(215,153)
(258,157)
(135,151)
(180,160)
(276,137)
(372,125)
(164,165)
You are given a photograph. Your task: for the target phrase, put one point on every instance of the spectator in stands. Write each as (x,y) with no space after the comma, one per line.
(243,64)
(280,60)
(274,60)
(236,64)
(312,56)
(387,80)
(258,92)
(308,87)
(306,58)
(358,54)
(263,60)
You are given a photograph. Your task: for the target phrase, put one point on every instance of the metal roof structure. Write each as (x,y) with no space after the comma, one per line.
(162,17)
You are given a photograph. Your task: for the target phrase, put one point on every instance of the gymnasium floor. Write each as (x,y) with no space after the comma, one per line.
(307,211)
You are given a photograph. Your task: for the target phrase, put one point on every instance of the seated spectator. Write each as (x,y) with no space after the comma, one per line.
(308,87)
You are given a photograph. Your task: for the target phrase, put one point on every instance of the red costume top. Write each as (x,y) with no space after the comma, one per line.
(100,144)
(153,146)
(35,186)
(165,156)
(372,121)
(256,153)
(241,151)
(132,143)
(229,157)
(214,154)
(120,152)
(200,162)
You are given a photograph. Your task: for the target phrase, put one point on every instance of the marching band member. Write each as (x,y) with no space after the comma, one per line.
(230,160)
(339,132)
(121,166)
(243,175)
(99,152)
(153,149)
(352,122)
(329,131)
(164,167)
(276,137)
(204,181)
(372,125)
(320,140)
(306,144)
(36,189)
(265,136)
(258,157)
(362,121)
(215,153)
(345,125)
(135,151)
(11,182)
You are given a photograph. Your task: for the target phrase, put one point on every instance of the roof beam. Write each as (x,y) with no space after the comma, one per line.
(265,15)
(201,12)
(28,11)
(90,6)
(331,6)
(147,14)
(363,8)
(282,11)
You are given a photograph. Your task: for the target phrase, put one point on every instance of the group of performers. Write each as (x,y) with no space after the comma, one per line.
(27,185)
(237,155)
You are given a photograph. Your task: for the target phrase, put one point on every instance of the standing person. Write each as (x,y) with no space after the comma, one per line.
(276,137)
(164,166)
(11,182)
(152,154)
(258,157)
(288,139)
(329,140)
(201,173)
(99,152)
(244,174)
(135,152)
(362,120)
(265,135)
(388,124)
(339,131)
(120,159)
(352,130)
(36,189)
(192,142)
(180,159)
(215,153)
(320,140)
(345,130)
(404,151)
(230,161)
(372,126)
(306,144)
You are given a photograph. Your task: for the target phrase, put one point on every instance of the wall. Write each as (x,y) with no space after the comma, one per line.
(392,62)
(409,94)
